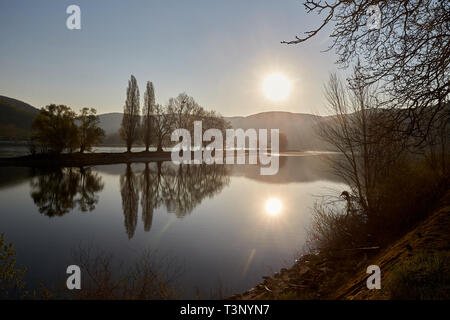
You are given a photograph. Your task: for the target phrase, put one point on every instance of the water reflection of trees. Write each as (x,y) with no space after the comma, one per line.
(58,191)
(180,188)
(130,199)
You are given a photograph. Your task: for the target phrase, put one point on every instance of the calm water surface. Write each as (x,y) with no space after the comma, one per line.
(213,222)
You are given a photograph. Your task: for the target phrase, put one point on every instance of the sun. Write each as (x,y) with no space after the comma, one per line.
(276,87)
(273,206)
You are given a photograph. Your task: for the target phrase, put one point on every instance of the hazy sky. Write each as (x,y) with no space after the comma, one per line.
(216,51)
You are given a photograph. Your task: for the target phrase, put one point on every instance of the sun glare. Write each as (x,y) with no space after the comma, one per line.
(276,87)
(273,206)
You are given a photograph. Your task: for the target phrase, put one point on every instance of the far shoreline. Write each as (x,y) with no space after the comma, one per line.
(77,159)
(84,159)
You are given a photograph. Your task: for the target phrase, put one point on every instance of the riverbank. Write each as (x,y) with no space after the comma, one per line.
(343,276)
(84,159)
(77,159)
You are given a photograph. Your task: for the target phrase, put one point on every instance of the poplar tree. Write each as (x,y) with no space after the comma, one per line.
(147,113)
(129,130)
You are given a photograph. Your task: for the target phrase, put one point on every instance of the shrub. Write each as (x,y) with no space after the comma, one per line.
(405,197)
(11,279)
(333,230)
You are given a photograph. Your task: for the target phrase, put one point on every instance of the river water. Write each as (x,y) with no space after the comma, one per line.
(218,229)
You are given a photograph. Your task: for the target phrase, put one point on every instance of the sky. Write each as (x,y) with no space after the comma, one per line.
(219,52)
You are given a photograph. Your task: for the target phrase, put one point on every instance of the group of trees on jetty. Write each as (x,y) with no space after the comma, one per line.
(156,122)
(59,129)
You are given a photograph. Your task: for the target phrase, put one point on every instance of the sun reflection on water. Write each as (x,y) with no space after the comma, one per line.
(273,206)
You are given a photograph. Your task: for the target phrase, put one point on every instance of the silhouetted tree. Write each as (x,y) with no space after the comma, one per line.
(163,126)
(213,120)
(89,131)
(409,53)
(186,110)
(129,130)
(147,113)
(367,150)
(55,128)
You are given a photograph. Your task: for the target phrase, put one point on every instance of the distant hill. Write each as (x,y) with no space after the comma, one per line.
(110,122)
(15,118)
(299,128)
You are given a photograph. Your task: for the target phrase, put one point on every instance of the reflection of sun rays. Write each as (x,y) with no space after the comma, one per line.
(273,206)
(249,261)
(164,229)
(274,231)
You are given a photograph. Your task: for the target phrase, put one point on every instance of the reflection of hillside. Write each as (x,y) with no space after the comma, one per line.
(10,176)
(180,188)
(299,128)
(306,168)
(296,167)
(57,191)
